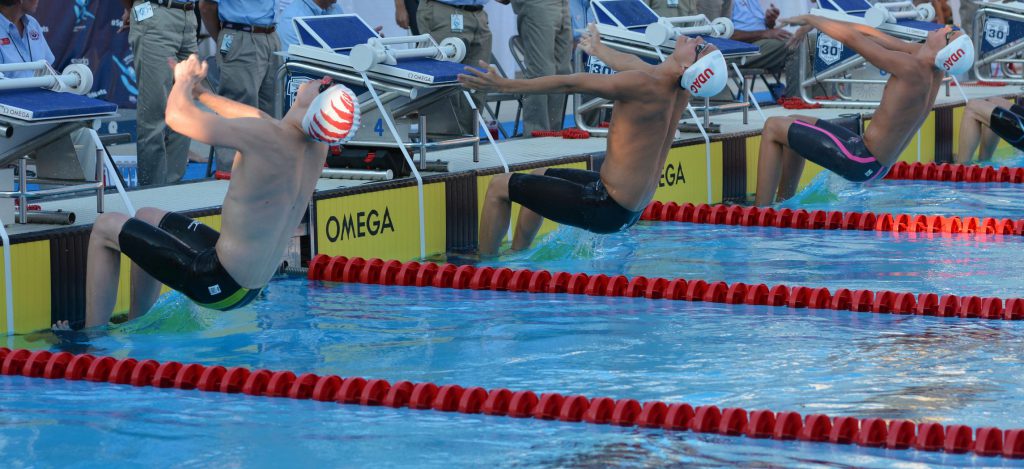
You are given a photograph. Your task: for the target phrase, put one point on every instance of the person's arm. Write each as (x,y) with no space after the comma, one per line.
(184,117)
(892,61)
(401,14)
(886,40)
(624,85)
(227,108)
(591,43)
(754,36)
(126,17)
(211,18)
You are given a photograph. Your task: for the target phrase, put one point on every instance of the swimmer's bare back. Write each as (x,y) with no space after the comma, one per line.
(273,177)
(648,104)
(909,93)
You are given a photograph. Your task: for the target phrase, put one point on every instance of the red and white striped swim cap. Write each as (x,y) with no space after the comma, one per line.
(333,117)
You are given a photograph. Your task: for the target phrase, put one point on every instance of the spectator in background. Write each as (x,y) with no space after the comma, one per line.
(25,41)
(466,20)
(286,30)
(546,37)
(715,8)
(672,8)
(778,46)
(246,42)
(579,16)
(158,30)
(405,15)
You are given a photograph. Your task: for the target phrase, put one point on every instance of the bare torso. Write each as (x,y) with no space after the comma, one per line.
(269,192)
(906,102)
(639,138)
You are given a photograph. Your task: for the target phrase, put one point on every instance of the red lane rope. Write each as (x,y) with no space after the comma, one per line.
(894,434)
(829,220)
(947,172)
(392,272)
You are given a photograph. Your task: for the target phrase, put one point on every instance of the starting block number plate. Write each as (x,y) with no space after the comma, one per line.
(996,31)
(596,66)
(829,50)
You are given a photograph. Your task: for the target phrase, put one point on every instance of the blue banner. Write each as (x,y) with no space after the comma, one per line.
(85,31)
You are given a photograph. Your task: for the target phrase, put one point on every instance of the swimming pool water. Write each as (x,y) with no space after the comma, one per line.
(980,265)
(868,365)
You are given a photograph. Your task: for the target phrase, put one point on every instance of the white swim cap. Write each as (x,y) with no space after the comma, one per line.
(333,116)
(707,76)
(957,57)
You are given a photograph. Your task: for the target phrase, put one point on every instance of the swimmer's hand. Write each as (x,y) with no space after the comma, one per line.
(590,40)
(798,36)
(190,71)
(488,81)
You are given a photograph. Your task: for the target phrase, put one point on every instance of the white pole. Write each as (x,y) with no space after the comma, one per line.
(8,282)
(112,171)
(408,159)
(707,148)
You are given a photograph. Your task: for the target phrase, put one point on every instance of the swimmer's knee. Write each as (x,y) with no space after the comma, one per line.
(498,187)
(150,215)
(107,226)
(539,171)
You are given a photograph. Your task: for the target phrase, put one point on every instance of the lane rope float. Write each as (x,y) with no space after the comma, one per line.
(732,421)
(953,172)
(830,219)
(468,277)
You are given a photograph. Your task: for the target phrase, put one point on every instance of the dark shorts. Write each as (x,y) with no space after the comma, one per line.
(836,148)
(1008,124)
(574,197)
(180,254)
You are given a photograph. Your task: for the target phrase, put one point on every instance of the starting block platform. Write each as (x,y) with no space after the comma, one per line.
(999,41)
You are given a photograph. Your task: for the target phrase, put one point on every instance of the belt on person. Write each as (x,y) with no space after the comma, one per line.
(469,8)
(187,6)
(249,28)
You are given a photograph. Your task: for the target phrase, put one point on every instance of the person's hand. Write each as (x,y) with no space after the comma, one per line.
(770,15)
(402,18)
(190,71)
(483,81)
(378,30)
(590,39)
(778,33)
(798,36)
(61,326)
(126,21)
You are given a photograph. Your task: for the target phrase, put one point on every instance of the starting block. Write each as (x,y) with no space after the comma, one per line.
(999,30)
(409,79)
(835,63)
(52,129)
(631,26)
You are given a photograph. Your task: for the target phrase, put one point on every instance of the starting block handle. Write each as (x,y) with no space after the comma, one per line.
(401,39)
(686,19)
(659,33)
(24,66)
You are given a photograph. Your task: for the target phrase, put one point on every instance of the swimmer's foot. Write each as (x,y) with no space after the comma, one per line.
(61,326)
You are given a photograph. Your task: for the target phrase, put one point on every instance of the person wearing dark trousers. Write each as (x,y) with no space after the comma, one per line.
(405,15)
(159,30)
(246,42)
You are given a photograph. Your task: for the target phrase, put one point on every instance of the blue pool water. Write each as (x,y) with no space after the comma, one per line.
(867,365)
(999,200)
(961,264)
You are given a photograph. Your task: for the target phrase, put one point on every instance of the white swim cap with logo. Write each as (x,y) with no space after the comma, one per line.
(957,57)
(333,117)
(707,76)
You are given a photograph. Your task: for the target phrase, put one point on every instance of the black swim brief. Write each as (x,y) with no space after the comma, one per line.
(836,148)
(1008,124)
(574,197)
(180,253)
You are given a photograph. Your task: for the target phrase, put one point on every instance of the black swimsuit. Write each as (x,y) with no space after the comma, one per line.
(574,197)
(180,253)
(1008,124)
(836,148)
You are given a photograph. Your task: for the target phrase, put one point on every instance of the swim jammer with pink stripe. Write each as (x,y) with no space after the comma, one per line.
(835,148)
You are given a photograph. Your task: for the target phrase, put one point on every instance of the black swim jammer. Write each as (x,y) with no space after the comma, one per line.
(573,197)
(835,148)
(1008,124)
(180,253)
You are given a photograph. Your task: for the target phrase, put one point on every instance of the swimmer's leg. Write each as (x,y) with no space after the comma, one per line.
(977,115)
(528,224)
(778,166)
(144,288)
(989,143)
(103,268)
(496,216)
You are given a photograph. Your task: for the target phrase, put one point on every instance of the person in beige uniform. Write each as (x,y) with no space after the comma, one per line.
(466,20)
(158,29)
(546,34)
(246,43)
(673,8)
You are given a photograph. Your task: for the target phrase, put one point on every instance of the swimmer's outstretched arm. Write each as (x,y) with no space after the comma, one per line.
(892,61)
(629,85)
(227,108)
(185,118)
(879,37)
(590,42)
